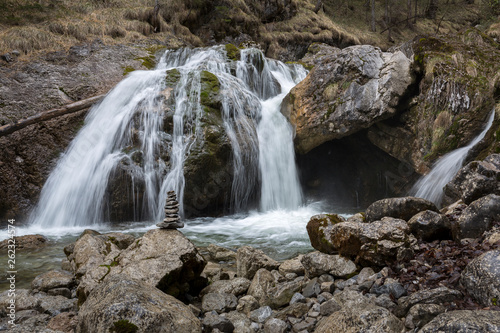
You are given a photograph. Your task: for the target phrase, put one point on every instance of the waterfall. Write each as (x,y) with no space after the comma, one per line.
(431,186)
(124,135)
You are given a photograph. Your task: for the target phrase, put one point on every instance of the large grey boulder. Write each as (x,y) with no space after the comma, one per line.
(478,217)
(463,321)
(317,264)
(481,278)
(236,286)
(319,230)
(429,225)
(269,292)
(475,180)
(122,301)
(402,208)
(347,91)
(250,260)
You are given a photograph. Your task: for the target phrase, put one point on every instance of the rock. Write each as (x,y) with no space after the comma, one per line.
(329,307)
(319,229)
(292,266)
(240,322)
(312,288)
(52,280)
(391,287)
(317,263)
(268,292)
(364,318)
(33,324)
(475,180)
(123,301)
(478,217)
(297,298)
(385,301)
(246,304)
(366,274)
(464,321)
(347,91)
(306,325)
(421,314)
(429,225)
(358,217)
(26,242)
(60,292)
(65,322)
(481,278)
(401,208)
(236,286)
(275,325)
(219,253)
(213,322)
(218,302)
(54,305)
(433,296)
(296,310)
(250,260)
(261,314)
(172,219)
(121,240)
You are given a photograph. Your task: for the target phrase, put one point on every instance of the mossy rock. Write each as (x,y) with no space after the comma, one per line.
(173,77)
(233,53)
(210,88)
(149,62)
(318,230)
(123,326)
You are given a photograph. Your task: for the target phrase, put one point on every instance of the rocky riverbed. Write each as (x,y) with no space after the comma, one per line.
(401,266)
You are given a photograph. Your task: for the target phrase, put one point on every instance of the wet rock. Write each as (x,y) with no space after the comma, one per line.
(475,180)
(319,230)
(317,263)
(52,280)
(347,91)
(421,314)
(121,300)
(236,286)
(464,321)
(218,302)
(268,292)
(292,266)
(481,278)
(261,314)
(250,260)
(401,208)
(363,318)
(25,242)
(478,217)
(429,225)
(65,322)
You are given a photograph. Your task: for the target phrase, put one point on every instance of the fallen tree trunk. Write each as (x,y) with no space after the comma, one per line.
(66,109)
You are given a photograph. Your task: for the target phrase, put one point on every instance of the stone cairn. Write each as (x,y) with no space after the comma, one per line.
(172,219)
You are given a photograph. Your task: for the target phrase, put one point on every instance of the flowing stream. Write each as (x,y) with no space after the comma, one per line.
(431,186)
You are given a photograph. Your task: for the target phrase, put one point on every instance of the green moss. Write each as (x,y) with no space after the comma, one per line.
(233,52)
(210,87)
(149,62)
(335,218)
(173,77)
(494,301)
(123,326)
(127,70)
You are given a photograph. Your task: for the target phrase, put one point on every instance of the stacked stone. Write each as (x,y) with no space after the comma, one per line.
(172,219)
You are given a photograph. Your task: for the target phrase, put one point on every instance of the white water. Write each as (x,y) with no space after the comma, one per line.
(131,115)
(431,186)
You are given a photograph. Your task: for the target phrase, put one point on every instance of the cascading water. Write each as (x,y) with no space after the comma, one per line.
(125,132)
(431,186)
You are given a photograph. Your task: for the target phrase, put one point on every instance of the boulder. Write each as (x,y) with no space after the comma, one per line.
(250,260)
(219,302)
(375,243)
(464,321)
(236,286)
(432,296)
(54,305)
(478,217)
(240,322)
(275,325)
(25,242)
(475,180)
(481,278)
(53,280)
(421,314)
(246,304)
(292,266)
(219,253)
(121,303)
(401,208)
(317,263)
(64,322)
(214,322)
(362,318)
(319,228)
(269,292)
(346,92)
(429,225)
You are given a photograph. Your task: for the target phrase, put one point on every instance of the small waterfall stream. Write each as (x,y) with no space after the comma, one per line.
(431,186)
(132,116)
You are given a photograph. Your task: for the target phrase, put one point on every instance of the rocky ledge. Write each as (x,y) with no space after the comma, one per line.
(401,266)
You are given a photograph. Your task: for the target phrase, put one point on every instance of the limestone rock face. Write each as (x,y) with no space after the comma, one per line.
(464,321)
(481,278)
(475,180)
(375,243)
(478,217)
(401,208)
(347,91)
(131,303)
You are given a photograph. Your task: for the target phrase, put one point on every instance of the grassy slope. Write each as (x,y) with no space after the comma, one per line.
(48,25)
